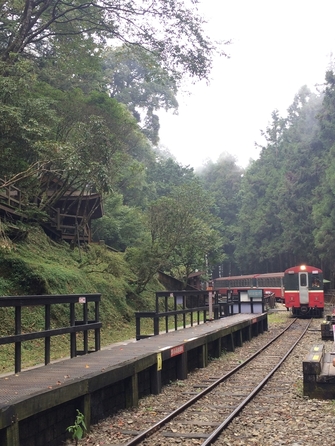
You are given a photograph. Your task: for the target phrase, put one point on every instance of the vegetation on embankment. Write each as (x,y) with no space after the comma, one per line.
(37,265)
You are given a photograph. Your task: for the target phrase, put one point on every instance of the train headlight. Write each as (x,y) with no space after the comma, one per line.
(303,267)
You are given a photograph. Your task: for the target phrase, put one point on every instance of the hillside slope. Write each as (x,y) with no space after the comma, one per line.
(31,263)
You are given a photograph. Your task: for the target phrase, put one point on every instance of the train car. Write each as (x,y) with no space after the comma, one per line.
(304,294)
(271,283)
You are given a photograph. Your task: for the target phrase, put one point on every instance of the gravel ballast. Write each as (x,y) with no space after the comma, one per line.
(280,415)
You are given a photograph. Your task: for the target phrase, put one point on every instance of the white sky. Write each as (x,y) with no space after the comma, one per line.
(278,46)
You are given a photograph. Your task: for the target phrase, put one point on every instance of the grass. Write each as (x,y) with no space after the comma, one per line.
(37,265)
(277,318)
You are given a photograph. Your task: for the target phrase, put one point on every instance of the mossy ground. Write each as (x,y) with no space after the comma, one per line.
(36,265)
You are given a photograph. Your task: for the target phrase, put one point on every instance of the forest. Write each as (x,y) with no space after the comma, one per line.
(80,87)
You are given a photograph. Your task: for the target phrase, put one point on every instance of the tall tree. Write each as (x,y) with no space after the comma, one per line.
(182,231)
(323,206)
(136,79)
(172,30)
(223,180)
(27,122)
(275,225)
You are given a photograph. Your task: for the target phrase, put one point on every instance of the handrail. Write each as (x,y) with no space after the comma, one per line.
(192,303)
(75,326)
(174,314)
(8,195)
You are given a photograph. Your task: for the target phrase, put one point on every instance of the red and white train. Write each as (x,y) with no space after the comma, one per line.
(271,283)
(300,288)
(304,293)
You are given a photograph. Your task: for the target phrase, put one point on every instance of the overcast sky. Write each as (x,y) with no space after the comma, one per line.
(277,47)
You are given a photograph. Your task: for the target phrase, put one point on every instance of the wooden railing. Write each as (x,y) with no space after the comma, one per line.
(73,230)
(10,196)
(69,232)
(181,309)
(75,326)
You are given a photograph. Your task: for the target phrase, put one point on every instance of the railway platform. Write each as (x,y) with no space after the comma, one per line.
(319,373)
(37,405)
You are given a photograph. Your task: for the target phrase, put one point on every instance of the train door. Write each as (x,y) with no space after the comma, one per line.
(303,288)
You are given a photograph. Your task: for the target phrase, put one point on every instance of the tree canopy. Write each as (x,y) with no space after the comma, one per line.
(80,87)
(135,79)
(171,30)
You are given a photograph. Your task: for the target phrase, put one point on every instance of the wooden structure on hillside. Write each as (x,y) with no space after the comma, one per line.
(171,283)
(68,219)
(71,217)
(10,200)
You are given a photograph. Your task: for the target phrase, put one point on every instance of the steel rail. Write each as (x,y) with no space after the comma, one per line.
(155,427)
(251,395)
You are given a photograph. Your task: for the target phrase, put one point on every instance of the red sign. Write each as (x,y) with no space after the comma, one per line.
(177,350)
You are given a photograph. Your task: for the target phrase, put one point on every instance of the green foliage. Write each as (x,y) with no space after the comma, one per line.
(165,173)
(78,428)
(135,79)
(170,30)
(275,220)
(182,232)
(37,265)
(121,226)
(224,179)
(26,120)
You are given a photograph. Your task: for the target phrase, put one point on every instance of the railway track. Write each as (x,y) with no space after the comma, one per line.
(217,401)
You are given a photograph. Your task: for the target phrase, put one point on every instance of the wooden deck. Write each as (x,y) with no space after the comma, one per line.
(72,224)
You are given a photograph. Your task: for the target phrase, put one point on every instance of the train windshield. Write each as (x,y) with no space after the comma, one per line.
(316,281)
(303,279)
(291,282)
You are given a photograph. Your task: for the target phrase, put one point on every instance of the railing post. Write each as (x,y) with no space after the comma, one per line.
(47,338)
(166,317)
(175,309)
(85,319)
(73,344)
(97,330)
(138,326)
(156,325)
(58,219)
(18,344)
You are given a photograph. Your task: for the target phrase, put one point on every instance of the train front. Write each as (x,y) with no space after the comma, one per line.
(304,293)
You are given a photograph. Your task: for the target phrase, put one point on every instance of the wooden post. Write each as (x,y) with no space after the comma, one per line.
(47,338)
(238,336)
(182,366)
(87,411)
(73,342)
(17,344)
(203,356)
(156,375)
(131,391)
(97,331)
(217,348)
(12,437)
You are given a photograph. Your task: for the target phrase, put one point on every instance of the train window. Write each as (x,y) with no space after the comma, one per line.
(316,282)
(303,279)
(291,282)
